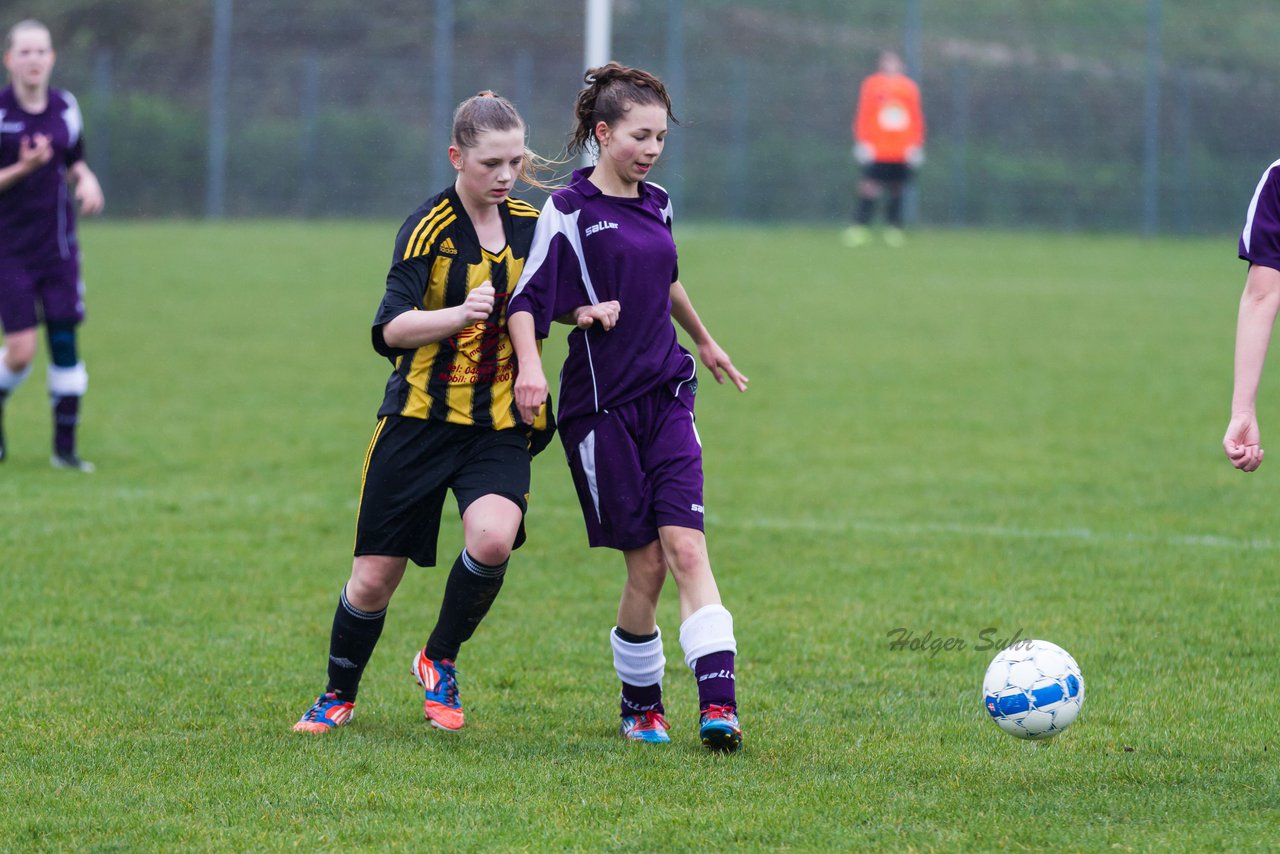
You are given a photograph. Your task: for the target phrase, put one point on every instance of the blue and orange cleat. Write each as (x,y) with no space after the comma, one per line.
(326,715)
(718,728)
(650,727)
(440,705)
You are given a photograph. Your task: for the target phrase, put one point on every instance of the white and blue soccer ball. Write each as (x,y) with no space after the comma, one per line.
(1033,689)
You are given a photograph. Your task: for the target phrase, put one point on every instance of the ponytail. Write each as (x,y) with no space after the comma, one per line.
(611,91)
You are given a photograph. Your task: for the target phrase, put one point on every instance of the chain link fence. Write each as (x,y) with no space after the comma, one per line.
(1141,115)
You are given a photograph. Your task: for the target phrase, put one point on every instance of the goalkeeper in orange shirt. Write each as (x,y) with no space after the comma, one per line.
(888,143)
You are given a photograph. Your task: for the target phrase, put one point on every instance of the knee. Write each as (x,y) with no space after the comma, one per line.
(490,527)
(647,572)
(374,578)
(490,547)
(686,552)
(18,355)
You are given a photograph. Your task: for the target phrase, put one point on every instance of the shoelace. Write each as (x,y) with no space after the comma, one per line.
(656,719)
(450,683)
(720,712)
(651,719)
(316,712)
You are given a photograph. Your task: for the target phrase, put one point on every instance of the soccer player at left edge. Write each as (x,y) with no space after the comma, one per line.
(43,175)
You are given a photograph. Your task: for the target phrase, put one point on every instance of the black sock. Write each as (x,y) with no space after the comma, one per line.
(470,590)
(893,210)
(66,415)
(866,207)
(355,634)
(626,636)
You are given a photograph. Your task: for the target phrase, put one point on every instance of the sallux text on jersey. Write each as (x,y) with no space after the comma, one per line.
(599,226)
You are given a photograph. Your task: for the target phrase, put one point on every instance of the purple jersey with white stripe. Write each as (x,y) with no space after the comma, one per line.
(1260,240)
(37,221)
(590,248)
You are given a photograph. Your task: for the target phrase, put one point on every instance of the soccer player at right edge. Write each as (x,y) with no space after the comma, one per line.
(626,395)
(1260,246)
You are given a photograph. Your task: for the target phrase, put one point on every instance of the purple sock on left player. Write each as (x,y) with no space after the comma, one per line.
(716,683)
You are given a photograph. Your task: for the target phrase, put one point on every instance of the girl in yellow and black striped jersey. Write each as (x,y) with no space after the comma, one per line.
(448,420)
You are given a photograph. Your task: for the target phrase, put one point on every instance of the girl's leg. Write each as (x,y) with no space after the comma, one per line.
(16,353)
(489,528)
(706,635)
(893,204)
(68,382)
(357,625)
(869,193)
(358,620)
(685,551)
(637,646)
(646,572)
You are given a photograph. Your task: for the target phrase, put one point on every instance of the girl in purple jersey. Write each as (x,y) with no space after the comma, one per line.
(604,258)
(1260,246)
(41,155)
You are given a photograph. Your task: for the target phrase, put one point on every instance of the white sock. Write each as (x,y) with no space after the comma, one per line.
(639,664)
(68,382)
(708,629)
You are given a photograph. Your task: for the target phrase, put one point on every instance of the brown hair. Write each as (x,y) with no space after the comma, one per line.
(28,24)
(611,91)
(488,111)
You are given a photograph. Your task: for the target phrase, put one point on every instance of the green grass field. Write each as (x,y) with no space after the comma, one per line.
(1007,432)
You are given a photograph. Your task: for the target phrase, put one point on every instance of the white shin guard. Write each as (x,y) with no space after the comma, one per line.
(639,664)
(68,382)
(708,629)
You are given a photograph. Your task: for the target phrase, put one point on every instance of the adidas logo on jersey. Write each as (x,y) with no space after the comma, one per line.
(599,226)
(447,247)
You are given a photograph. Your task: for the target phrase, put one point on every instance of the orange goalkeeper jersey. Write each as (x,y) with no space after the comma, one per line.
(889,117)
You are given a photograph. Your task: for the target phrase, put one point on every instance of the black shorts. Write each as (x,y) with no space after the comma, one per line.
(889,173)
(413,462)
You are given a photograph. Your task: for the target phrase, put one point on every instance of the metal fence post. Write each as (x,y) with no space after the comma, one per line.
(102,91)
(441,94)
(739,143)
(1151,125)
(309,107)
(219,81)
(960,145)
(673,177)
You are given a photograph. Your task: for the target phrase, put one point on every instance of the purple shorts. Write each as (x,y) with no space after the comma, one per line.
(637,467)
(29,294)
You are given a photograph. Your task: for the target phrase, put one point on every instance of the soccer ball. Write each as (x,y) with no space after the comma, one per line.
(1033,689)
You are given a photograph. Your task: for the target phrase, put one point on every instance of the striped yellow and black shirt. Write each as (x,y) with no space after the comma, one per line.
(469,377)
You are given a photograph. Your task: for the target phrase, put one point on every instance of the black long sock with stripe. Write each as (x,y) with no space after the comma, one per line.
(468,595)
(355,634)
